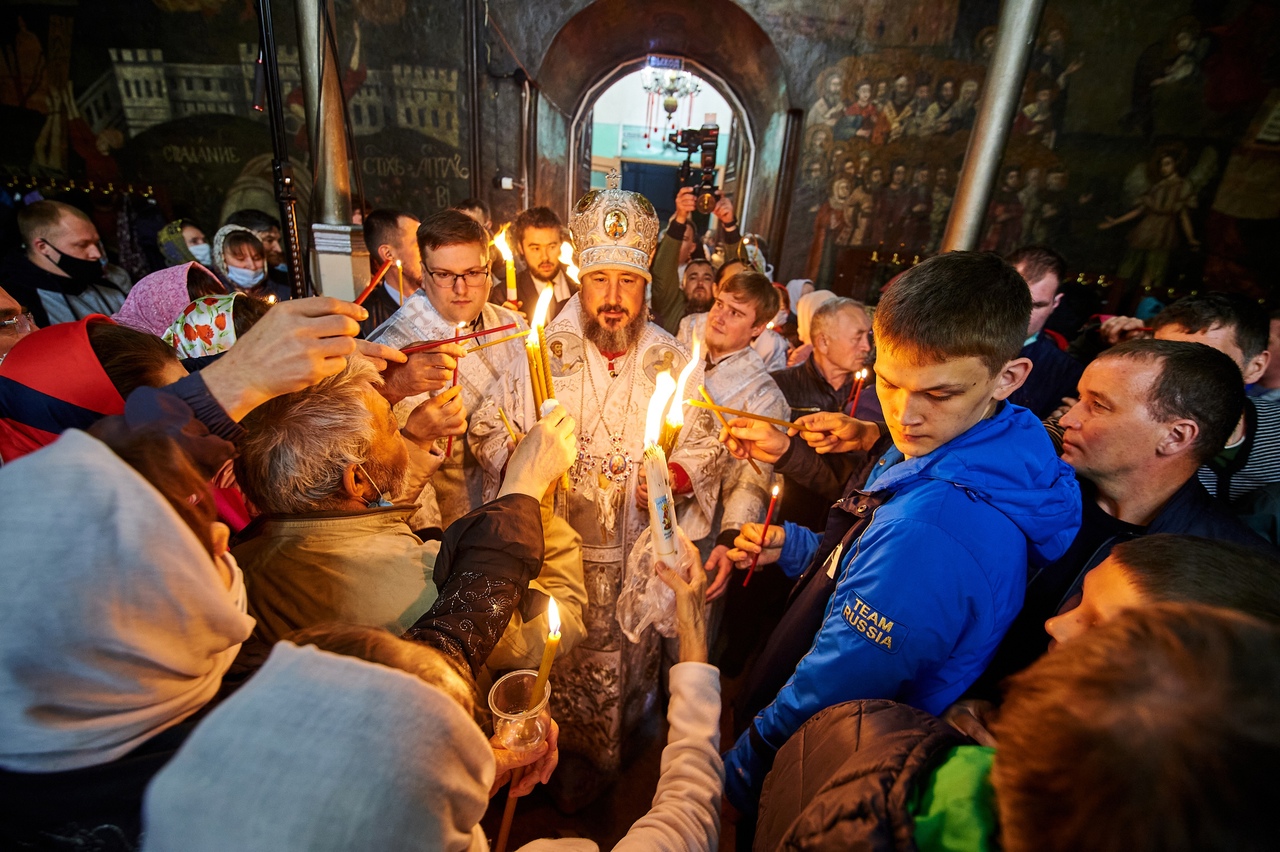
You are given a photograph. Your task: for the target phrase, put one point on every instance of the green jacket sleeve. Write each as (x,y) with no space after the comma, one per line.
(668,299)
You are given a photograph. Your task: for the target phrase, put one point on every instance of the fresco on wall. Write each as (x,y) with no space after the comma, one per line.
(155,99)
(1152,176)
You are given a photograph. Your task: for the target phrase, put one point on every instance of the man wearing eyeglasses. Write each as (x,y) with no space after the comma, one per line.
(453,300)
(15,323)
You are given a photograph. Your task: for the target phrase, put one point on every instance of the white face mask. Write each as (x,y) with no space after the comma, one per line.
(245,278)
(202,252)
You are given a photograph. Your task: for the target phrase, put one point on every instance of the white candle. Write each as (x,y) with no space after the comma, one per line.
(662,512)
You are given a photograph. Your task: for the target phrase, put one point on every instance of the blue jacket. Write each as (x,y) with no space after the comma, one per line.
(928,575)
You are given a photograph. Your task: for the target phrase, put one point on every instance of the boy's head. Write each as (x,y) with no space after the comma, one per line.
(742,307)
(1173,569)
(948,333)
(1233,324)
(1156,730)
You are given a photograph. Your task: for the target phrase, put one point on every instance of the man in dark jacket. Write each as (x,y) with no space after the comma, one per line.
(1150,413)
(391,235)
(537,235)
(1055,373)
(921,571)
(61,276)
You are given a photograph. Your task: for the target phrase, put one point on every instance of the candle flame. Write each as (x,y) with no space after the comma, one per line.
(675,418)
(399,265)
(540,313)
(663,388)
(775,490)
(500,243)
(553,617)
(566,258)
(861,375)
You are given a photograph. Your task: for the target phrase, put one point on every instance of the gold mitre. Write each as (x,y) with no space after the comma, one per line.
(614,229)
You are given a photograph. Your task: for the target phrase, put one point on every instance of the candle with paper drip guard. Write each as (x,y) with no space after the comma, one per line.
(768,516)
(504,249)
(674,421)
(662,510)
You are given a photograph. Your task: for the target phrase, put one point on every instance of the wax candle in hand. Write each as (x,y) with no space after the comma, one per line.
(764,534)
(548,652)
(662,512)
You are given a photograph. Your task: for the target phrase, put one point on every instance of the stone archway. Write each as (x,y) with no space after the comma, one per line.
(610,38)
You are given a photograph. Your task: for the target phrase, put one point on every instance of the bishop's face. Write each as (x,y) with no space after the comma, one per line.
(613,308)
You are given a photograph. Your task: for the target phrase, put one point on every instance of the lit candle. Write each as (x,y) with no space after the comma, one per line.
(675,417)
(768,516)
(566,260)
(534,351)
(548,652)
(504,249)
(540,313)
(662,513)
(400,275)
(859,378)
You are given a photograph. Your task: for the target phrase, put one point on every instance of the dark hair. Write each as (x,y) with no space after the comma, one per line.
(1156,730)
(201,282)
(534,217)
(757,290)
(1190,569)
(450,228)
(1196,382)
(1038,261)
(376,645)
(237,242)
(1199,313)
(254,220)
(246,310)
(722,272)
(381,228)
(473,204)
(131,359)
(957,305)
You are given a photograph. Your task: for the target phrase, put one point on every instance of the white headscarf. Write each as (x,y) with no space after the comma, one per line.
(809,303)
(115,624)
(323,752)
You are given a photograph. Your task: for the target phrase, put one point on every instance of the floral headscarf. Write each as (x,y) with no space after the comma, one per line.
(205,327)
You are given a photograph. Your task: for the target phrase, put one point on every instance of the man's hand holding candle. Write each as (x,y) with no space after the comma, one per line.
(749,543)
(439,417)
(545,452)
(832,432)
(422,372)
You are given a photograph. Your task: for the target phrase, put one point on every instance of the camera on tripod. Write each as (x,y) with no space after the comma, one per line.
(703,178)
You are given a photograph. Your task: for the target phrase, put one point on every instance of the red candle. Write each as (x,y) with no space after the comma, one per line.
(377,279)
(432,344)
(448,447)
(861,377)
(768,516)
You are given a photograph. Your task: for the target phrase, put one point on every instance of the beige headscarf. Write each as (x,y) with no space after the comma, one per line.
(115,624)
(323,752)
(805,308)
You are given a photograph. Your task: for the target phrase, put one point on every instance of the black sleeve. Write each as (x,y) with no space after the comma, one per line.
(827,475)
(194,392)
(487,559)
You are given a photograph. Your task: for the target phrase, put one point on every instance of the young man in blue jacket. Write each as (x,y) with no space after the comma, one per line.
(922,569)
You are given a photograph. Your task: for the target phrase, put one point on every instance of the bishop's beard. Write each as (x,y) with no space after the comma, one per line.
(618,339)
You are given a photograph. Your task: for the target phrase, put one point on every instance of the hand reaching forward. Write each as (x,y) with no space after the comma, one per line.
(541,456)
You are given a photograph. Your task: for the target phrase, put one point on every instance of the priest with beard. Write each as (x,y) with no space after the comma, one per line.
(605,357)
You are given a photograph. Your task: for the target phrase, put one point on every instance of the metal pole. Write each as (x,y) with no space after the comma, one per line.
(1014,38)
(474,64)
(322,95)
(281,168)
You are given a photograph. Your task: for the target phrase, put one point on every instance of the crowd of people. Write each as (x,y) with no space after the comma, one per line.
(265,556)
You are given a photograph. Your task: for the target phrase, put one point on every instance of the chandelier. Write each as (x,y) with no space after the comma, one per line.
(668,85)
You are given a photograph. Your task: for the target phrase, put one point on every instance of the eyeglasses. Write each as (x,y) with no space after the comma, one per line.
(22,323)
(471,278)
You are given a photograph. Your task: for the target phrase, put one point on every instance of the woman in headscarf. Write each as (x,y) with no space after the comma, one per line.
(323,752)
(155,301)
(70,375)
(241,261)
(119,614)
(182,241)
(805,307)
(212,324)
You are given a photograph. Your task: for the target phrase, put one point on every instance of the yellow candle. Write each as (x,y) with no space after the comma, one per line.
(536,375)
(400,273)
(548,653)
(500,243)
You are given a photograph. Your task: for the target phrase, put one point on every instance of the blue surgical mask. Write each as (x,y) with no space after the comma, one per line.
(281,267)
(202,252)
(382,501)
(245,278)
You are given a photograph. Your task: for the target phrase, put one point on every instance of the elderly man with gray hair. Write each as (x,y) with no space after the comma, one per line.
(335,479)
